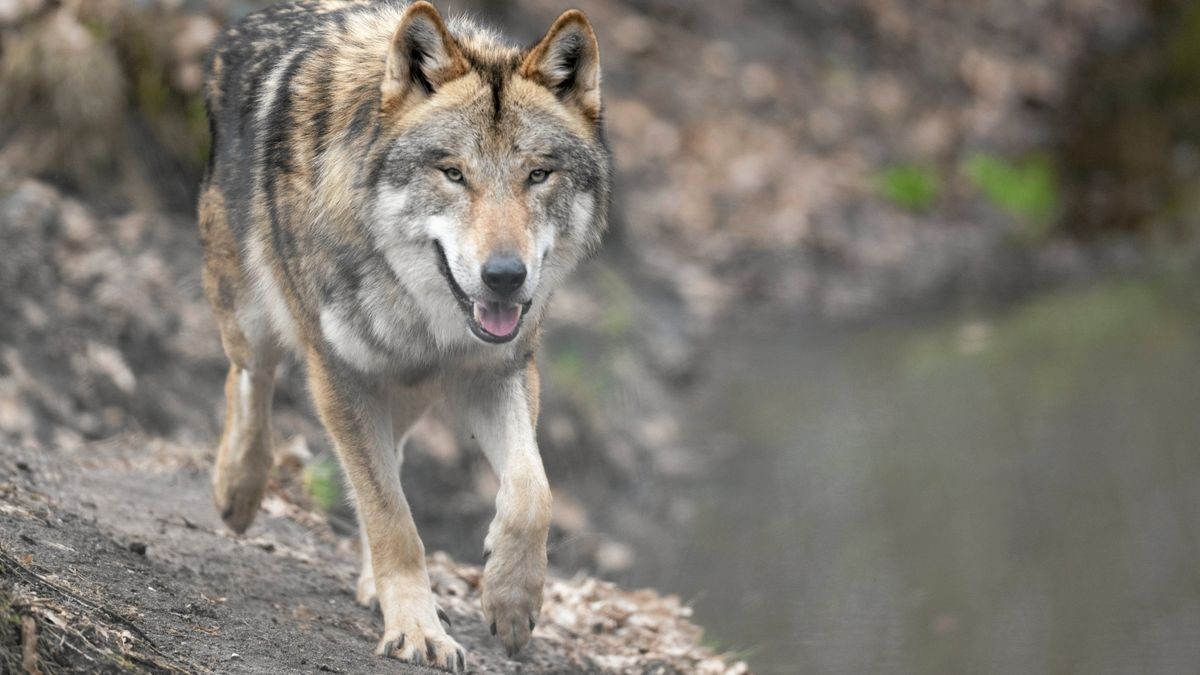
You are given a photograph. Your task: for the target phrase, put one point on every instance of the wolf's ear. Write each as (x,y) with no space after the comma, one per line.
(422,58)
(567,62)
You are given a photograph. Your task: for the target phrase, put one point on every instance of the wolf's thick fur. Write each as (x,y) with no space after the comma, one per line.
(388,193)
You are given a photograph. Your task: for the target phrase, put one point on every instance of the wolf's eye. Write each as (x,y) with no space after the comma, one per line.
(538,176)
(453,175)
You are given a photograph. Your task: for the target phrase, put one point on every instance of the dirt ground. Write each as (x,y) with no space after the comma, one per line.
(122,558)
(277,601)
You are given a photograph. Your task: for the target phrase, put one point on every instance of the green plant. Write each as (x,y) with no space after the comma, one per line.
(322,482)
(1027,189)
(910,186)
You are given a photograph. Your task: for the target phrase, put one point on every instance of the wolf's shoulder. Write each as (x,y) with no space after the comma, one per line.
(287,23)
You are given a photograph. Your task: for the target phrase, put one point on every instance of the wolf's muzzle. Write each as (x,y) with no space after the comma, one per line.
(495,321)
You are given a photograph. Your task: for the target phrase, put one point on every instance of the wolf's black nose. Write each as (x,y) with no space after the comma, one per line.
(504,273)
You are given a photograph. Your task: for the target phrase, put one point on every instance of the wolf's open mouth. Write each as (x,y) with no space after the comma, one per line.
(490,320)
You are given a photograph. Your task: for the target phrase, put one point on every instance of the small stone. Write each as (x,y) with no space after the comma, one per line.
(138,547)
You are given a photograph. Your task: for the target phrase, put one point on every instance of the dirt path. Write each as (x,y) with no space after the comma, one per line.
(279,600)
(127,549)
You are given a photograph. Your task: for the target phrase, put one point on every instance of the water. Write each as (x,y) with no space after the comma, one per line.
(1007,493)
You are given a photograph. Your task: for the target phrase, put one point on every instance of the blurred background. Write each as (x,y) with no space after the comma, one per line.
(890,364)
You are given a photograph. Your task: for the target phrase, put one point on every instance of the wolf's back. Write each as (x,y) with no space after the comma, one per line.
(273,99)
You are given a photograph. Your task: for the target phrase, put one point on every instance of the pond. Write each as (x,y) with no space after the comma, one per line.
(1005,492)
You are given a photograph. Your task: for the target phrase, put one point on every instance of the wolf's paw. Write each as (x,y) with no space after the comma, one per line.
(512,593)
(368,597)
(238,495)
(423,645)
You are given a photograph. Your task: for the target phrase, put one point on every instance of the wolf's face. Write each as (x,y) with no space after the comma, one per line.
(495,183)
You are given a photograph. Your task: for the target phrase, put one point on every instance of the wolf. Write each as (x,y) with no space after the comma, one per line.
(394,197)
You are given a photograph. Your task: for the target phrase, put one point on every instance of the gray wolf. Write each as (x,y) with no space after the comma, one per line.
(393,197)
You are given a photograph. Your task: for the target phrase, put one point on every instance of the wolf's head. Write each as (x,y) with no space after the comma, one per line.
(493,178)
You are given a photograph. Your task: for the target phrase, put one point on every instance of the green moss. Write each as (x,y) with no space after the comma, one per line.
(1026,189)
(909,186)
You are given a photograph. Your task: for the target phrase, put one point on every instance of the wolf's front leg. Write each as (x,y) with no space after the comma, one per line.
(359,417)
(502,414)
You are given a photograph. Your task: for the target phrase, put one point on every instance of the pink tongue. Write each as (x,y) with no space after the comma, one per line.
(497,319)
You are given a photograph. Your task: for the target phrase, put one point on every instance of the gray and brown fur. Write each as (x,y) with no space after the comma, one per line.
(335,227)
